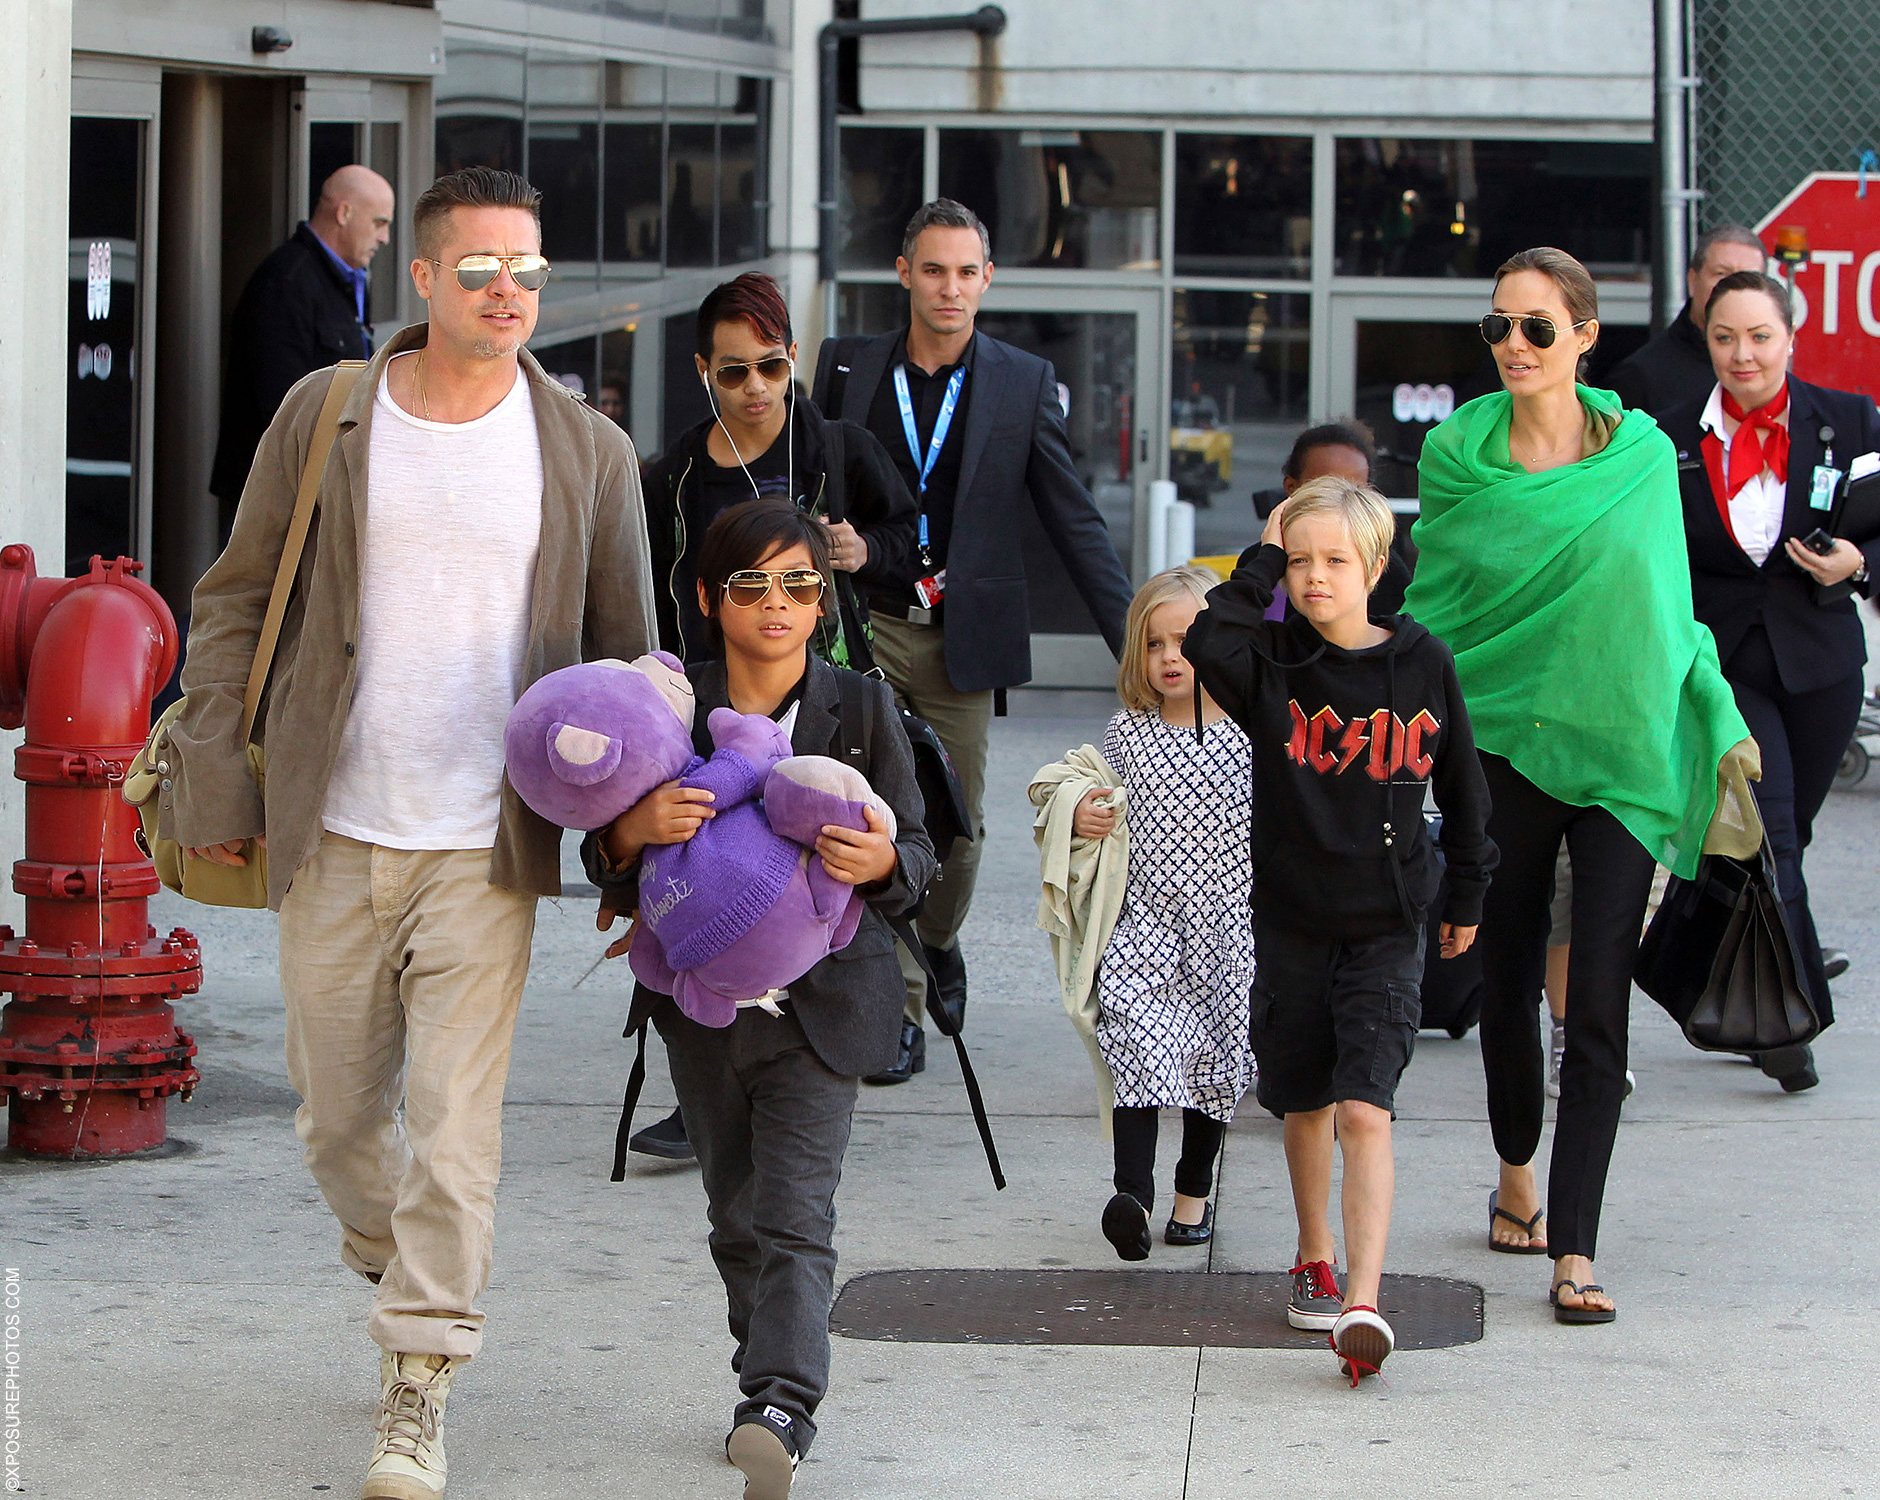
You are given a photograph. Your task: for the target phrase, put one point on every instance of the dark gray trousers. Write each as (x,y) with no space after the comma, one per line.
(770,1124)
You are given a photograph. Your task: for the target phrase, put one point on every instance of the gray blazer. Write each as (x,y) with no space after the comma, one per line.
(1017,454)
(850,1004)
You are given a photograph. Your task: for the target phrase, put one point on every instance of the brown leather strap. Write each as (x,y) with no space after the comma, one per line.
(325,429)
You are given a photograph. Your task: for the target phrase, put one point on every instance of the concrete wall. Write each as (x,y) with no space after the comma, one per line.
(1520,61)
(35,121)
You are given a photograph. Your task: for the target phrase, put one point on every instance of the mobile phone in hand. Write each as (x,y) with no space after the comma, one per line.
(1818,542)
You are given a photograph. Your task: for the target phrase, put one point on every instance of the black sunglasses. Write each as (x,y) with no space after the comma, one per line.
(732,376)
(1538,331)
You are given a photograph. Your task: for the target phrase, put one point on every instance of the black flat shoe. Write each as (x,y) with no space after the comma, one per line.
(1191,1234)
(665,1139)
(1834,962)
(913,1058)
(1792,1067)
(1126,1226)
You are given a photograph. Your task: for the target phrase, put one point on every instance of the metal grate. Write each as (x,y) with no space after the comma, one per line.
(1784,91)
(1169,1309)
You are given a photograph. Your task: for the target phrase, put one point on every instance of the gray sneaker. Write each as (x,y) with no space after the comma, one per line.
(1316,1303)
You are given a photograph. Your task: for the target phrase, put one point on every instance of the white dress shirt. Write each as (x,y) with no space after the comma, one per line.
(1756,509)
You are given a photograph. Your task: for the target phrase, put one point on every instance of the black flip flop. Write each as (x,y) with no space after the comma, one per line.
(1564,1314)
(1496,1211)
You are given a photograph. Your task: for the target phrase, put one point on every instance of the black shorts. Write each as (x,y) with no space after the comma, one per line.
(1333,1021)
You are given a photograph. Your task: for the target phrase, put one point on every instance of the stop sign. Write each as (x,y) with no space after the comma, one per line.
(1837,303)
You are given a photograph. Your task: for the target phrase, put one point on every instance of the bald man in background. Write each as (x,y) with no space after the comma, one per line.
(302,310)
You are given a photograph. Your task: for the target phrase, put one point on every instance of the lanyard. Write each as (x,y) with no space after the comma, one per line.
(941,424)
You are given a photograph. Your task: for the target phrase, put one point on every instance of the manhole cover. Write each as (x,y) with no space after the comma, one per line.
(1171,1309)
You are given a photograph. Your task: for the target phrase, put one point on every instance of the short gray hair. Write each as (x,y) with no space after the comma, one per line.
(1724,234)
(944,213)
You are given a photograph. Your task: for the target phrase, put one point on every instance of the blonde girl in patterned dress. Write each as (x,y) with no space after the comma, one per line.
(1172,988)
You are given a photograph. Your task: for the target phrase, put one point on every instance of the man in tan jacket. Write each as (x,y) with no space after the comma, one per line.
(477,527)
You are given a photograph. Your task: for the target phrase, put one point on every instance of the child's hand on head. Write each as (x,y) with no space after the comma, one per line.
(856,857)
(1092,820)
(1272,535)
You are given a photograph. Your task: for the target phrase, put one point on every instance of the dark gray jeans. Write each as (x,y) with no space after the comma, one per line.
(770,1124)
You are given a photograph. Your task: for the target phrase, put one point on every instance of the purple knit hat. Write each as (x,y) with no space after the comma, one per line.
(701,896)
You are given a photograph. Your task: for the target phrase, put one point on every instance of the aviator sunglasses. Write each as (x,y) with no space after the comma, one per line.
(749,587)
(474,272)
(730,377)
(1538,331)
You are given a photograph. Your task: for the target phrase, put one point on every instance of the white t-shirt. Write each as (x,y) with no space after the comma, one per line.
(448,547)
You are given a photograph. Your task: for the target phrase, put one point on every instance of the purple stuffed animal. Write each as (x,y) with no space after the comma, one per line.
(744,908)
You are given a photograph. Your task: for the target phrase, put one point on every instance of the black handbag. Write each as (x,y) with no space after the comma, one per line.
(1719,957)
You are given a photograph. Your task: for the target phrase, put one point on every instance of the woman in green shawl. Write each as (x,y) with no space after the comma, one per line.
(1551,560)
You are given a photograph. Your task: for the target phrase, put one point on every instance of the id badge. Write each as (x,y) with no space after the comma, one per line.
(932,589)
(1821,492)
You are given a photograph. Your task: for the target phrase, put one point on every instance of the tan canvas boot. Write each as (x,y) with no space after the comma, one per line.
(408,1457)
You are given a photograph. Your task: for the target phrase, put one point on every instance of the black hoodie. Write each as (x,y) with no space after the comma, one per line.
(1344,744)
(868,493)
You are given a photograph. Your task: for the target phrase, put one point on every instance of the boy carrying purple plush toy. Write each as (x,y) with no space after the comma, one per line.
(768,1098)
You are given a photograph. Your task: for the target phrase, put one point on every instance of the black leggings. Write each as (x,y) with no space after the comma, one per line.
(1135,1132)
(1802,737)
(1612,881)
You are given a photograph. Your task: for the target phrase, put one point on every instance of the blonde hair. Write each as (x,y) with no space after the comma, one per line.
(1366,514)
(1190,581)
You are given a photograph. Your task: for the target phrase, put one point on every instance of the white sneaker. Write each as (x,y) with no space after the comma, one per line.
(408,1457)
(1362,1340)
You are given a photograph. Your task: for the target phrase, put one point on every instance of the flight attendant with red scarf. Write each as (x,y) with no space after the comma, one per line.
(1753,458)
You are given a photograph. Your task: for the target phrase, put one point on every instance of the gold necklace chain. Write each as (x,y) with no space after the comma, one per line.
(418,380)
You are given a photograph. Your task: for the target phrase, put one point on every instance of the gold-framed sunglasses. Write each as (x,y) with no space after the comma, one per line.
(749,587)
(730,377)
(474,272)
(1538,331)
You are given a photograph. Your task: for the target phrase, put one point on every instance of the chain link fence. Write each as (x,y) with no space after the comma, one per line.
(1783,92)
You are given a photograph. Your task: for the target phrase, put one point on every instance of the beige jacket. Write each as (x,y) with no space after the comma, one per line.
(1084,881)
(593,598)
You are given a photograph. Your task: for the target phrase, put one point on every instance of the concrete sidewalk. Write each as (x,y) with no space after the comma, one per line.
(188,1330)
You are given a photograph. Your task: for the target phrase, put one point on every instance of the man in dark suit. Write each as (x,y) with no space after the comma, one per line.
(1675,366)
(977,429)
(302,310)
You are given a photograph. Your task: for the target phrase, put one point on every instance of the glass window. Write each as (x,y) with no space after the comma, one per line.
(1243,205)
(1460,208)
(742,200)
(479,109)
(691,167)
(388,266)
(870,307)
(1074,198)
(1239,374)
(693,15)
(613,398)
(101,334)
(882,174)
(331,144)
(685,403)
(565,157)
(633,164)
(574,362)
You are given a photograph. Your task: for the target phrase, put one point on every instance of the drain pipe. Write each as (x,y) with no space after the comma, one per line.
(986,22)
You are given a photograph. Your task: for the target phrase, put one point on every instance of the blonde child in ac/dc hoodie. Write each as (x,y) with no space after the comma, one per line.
(1351,719)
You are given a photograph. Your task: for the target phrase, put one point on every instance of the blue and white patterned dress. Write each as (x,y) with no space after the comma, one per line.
(1173,985)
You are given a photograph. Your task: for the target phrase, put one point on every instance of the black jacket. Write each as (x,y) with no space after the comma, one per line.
(1016,456)
(866,491)
(1670,370)
(1815,645)
(296,315)
(850,1004)
(1344,745)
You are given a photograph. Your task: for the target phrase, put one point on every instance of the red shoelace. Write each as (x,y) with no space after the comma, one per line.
(1355,1368)
(1320,1280)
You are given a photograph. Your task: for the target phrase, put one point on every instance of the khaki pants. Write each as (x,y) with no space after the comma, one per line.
(403,973)
(914,660)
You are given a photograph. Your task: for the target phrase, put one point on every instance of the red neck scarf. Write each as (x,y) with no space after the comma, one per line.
(1760,442)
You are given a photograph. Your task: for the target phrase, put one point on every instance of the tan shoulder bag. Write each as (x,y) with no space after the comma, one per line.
(149,772)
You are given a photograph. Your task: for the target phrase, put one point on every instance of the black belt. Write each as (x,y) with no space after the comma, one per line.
(899,610)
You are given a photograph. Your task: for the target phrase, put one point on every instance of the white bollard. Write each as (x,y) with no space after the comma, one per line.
(1162,496)
(1181,533)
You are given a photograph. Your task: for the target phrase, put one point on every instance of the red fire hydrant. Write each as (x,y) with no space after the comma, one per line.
(89,1050)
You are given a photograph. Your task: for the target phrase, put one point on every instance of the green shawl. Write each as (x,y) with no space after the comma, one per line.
(1566,598)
